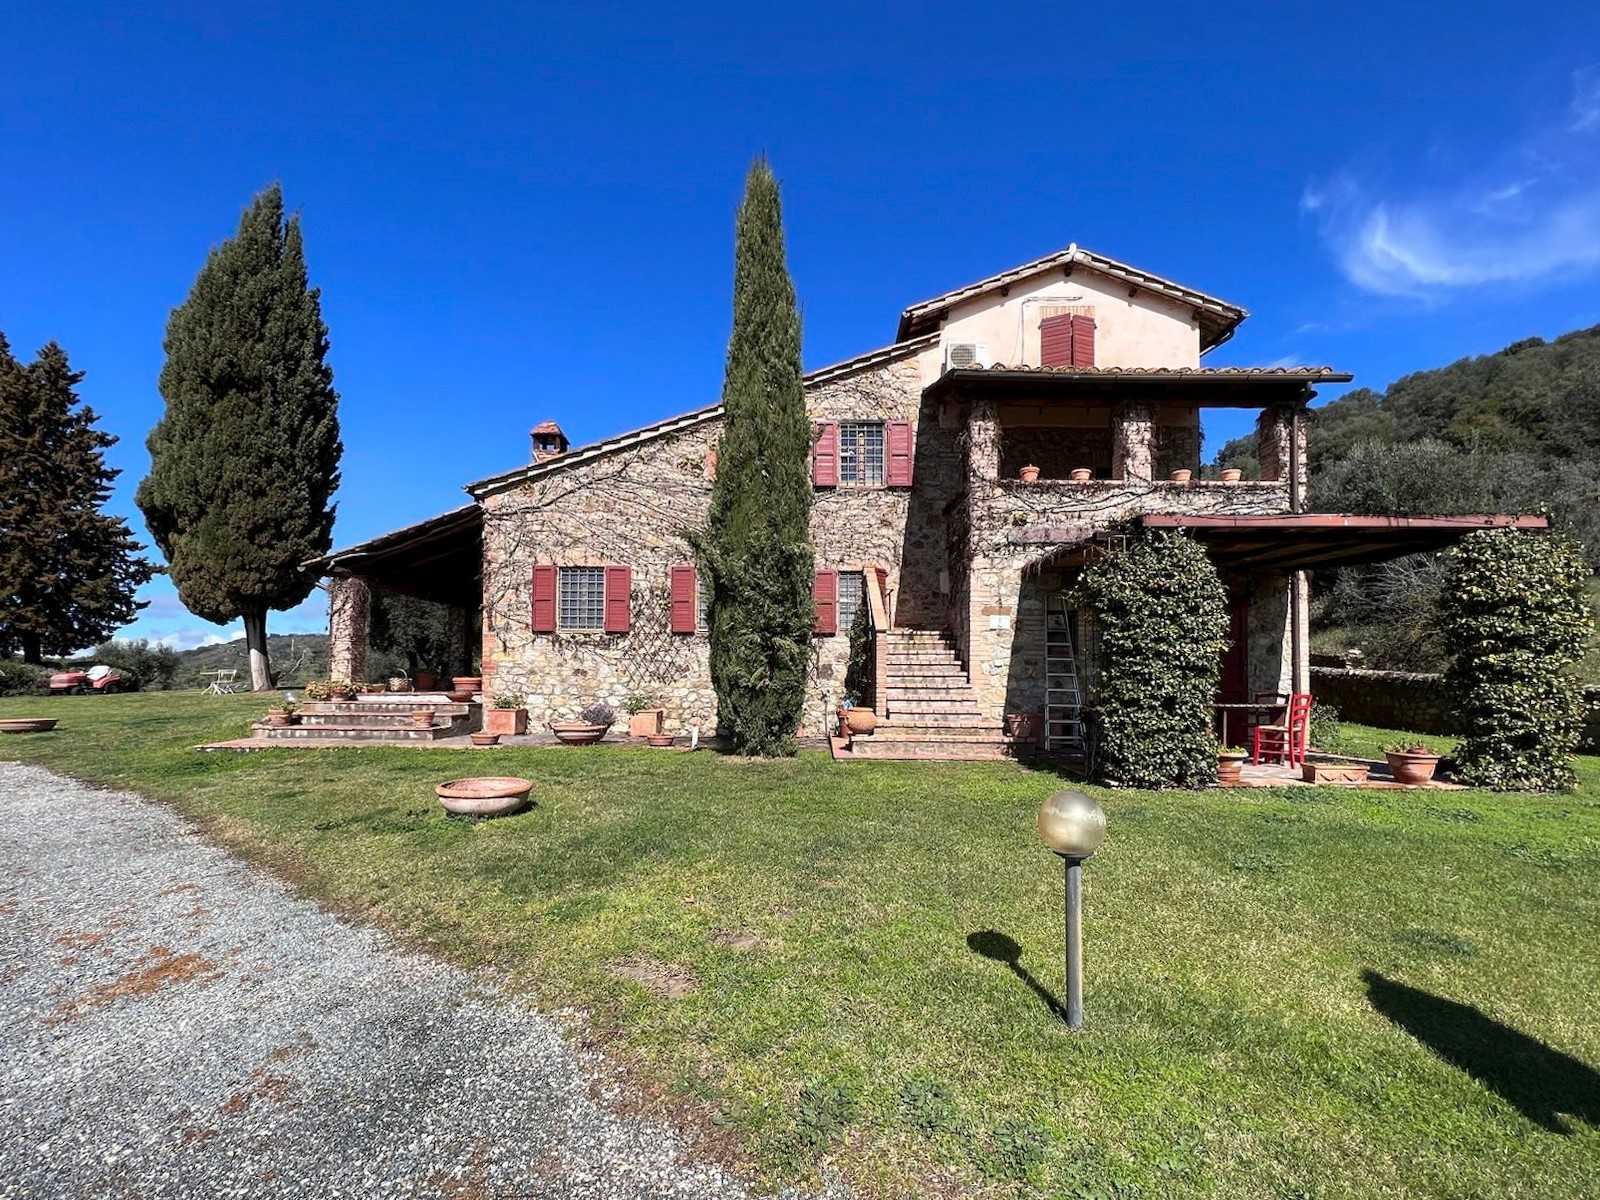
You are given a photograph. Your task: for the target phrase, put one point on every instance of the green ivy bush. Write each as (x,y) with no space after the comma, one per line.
(1517,622)
(19,679)
(1163,618)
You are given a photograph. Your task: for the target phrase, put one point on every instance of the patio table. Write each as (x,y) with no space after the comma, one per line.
(1225,711)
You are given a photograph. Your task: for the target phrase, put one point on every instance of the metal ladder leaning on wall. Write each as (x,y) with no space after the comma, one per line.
(1063,697)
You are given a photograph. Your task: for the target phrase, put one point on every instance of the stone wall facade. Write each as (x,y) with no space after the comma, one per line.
(349,608)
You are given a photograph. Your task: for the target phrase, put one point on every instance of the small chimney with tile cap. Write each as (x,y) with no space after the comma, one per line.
(548,441)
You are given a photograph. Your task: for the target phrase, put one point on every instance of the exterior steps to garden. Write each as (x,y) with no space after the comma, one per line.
(932,711)
(384,718)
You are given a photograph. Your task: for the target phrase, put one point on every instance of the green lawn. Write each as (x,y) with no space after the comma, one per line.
(1299,993)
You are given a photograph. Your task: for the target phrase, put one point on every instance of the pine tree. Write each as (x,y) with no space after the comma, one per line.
(68,572)
(756,547)
(246,458)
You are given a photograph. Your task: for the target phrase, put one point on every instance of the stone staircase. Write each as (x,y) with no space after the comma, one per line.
(932,710)
(380,718)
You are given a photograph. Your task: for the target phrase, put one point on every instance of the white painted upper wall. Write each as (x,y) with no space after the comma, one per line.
(1141,330)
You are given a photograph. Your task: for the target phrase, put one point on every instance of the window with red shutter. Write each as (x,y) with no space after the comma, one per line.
(825,596)
(544,598)
(1055,341)
(825,457)
(619,595)
(1082,341)
(683,581)
(898,435)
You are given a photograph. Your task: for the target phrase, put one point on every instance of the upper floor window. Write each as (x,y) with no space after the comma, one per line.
(581,598)
(861,452)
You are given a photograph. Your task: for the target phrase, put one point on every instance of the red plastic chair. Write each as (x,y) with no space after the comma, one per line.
(1285,743)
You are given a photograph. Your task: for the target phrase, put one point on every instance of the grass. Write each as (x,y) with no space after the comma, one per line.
(1311,992)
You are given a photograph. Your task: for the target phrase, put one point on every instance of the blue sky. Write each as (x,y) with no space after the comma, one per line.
(520,212)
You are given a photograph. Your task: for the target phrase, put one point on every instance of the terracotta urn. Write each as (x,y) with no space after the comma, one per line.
(1081,475)
(507,722)
(646,722)
(482,737)
(1231,474)
(490,796)
(1024,727)
(1181,475)
(1413,770)
(281,718)
(1029,474)
(1230,768)
(467,683)
(426,681)
(577,733)
(860,720)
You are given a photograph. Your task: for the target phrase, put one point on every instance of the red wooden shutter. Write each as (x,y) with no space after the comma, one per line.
(544,598)
(898,436)
(825,594)
(1083,341)
(1055,341)
(825,457)
(619,610)
(683,598)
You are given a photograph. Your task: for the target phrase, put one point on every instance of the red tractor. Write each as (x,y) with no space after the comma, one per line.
(98,678)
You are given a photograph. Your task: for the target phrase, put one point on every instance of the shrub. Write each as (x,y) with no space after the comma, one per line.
(513,700)
(152,666)
(18,678)
(1162,615)
(858,672)
(1517,622)
(330,689)
(636,703)
(598,714)
(1327,730)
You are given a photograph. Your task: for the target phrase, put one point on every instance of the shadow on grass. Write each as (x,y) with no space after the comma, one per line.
(997,947)
(1542,1083)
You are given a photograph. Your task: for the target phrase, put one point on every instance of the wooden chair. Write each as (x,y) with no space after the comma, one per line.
(1285,742)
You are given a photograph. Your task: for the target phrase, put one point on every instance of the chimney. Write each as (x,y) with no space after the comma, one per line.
(548,441)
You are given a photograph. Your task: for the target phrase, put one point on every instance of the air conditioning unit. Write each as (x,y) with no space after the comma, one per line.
(960,355)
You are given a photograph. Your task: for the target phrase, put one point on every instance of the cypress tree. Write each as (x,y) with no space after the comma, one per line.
(246,457)
(756,548)
(68,572)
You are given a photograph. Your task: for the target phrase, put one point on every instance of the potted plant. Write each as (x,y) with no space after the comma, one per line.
(422,718)
(506,716)
(1230,765)
(645,717)
(330,689)
(284,714)
(1081,474)
(1029,474)
(858,719)
(1411,762)
(590,727)
(1231,474)
(1181,475)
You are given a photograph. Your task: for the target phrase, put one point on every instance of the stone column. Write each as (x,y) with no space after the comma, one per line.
(1133,443)
(349,602)
(983,442)
(1273,445)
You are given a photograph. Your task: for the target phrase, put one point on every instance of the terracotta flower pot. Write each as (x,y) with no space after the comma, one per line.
(492,796)
(1028,474)
(860,720)
(1081,475)
(1181,476)
(578,733)
(460,696)
(1411,769)
(508,722)
(1231,474)
(659,740)
(27,724)
(1230,770)
(467,683)
(426,681)
(482,737)
(646,722)
(1024,727)
(422,718)
(280,719)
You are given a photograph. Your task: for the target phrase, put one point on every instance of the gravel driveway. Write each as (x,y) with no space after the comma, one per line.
(176,1023)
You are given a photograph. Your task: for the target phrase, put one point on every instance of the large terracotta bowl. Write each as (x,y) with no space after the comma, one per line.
(27,724)
(487,796)
(578,733)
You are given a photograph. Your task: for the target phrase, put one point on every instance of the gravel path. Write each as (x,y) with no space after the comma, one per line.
(176,1023)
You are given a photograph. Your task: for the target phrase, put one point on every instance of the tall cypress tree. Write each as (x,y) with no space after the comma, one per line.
(68,571)
(246,458)
(756,547)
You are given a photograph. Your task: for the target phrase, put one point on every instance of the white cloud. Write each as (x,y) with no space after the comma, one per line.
(190,639)
(1530,215)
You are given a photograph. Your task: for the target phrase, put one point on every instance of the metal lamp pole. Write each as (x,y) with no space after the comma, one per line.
(1073,826)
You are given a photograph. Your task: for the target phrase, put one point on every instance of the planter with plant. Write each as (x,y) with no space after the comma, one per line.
(330,689)
(284,715)
(645,716)
(590,727)
(1411,762)
(506,716)
(1230,765)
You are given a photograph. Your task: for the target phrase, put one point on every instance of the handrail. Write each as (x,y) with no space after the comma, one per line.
(878,606)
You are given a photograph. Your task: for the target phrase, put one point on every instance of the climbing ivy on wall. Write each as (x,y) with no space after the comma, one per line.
(1163,617)
(1516,621)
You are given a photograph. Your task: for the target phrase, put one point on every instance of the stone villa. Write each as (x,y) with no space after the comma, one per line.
(572,568)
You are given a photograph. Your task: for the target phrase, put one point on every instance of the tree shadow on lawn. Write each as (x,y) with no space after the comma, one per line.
(995,945)
(1542,1083)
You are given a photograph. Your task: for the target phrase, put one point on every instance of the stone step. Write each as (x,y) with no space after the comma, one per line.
(910,751)
(901,638)
(949,706)
(402,707)
(953,690)
(387,720)
(898,731)
(354,733)
(901,664)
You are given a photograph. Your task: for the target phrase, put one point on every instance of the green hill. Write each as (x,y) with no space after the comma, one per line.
(296,657)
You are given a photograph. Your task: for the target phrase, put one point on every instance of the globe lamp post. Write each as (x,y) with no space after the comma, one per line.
(1073,826)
